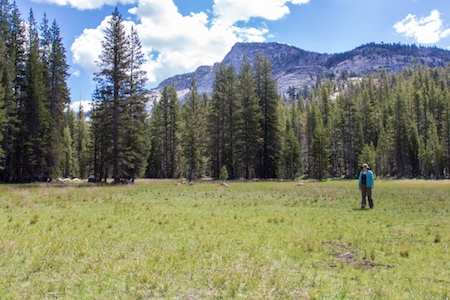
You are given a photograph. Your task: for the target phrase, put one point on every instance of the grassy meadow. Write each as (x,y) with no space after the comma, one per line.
(253,240)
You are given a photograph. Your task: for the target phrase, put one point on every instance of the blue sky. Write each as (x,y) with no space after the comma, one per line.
(180,35)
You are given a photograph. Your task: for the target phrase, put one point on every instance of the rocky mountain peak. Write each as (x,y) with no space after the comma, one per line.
(294,67)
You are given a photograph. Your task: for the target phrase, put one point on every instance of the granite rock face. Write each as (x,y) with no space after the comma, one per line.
(296,68)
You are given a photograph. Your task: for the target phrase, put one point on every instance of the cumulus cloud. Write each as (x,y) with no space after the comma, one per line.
(228,12)
(87,47)
(425,30)
(177,43)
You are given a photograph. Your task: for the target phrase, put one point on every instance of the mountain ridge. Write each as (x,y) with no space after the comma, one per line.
(295,67)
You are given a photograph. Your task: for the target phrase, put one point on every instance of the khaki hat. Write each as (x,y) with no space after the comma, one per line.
(365,165)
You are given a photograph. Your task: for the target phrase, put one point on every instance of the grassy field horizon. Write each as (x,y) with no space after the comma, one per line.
(256,240)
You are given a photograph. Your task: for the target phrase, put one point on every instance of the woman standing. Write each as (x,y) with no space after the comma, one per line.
(365,184)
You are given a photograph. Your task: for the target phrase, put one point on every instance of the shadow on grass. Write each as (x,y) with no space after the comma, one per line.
(361,209)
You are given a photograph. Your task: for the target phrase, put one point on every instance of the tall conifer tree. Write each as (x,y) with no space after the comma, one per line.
(217,122)
(33,113)
(351,132)
(81,144)
(446,128)
(120,104)
(154,161)
(57,93)
(193,134)
(100,131)
(291,155)
(249,127)
(400,122)
(266,92)
(231,123)
(135,141)
(320,152)
(114,63)
(3,119)
(13,70)
(164,131)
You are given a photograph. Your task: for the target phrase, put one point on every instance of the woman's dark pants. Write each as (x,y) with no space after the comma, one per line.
(366,191)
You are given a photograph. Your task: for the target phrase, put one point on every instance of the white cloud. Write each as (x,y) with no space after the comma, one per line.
(180,43)
(228,12)
(87,47)
(76,73)
(86,104)
(251,34)
(86,4)
(426,30)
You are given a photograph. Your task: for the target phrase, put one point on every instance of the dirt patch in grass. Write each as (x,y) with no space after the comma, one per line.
(300,294)
(349,256)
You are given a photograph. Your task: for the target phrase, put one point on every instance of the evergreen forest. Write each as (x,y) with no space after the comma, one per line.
(397,123)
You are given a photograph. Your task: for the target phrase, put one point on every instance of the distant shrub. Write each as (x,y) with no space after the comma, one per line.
(223,173)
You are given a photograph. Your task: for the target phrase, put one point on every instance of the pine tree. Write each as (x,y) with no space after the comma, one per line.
(120,105)
(13,74)
(400,121)
(432,154)
(370,108)
(55,75)
(320,153)
(4,26)
(173,133)
(3,119)
(368,156)
(413,148)
(418,110)
(266,92)
(446,129)
(135,140)
(154,161)
(351,132)
(69,145)
(336,143)
(81,144)
(222,120)
(168,130)
(291,155)
(192,137)
(440,79)
(66,161)
(325,104)
(224,173)
(311,123)
(45,40)
(385,97)
(385,150)
(100,132)
(249,129)
(377,120)
(164,131)
(112,78)
(33,113)
(231,123)
(298,120)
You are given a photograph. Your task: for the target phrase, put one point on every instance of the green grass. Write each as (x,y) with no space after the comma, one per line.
(257,240)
